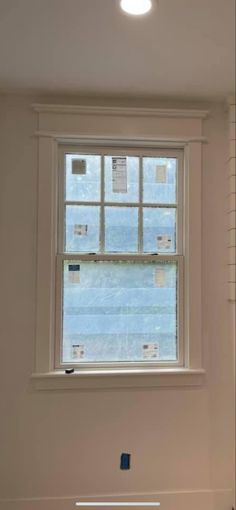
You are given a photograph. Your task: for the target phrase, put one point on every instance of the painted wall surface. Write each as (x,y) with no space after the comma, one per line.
(63,445)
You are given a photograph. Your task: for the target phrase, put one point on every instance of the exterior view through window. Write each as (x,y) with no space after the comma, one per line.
(120,257)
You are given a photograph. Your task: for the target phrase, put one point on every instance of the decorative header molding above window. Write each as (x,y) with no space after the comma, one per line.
(121,110)
(146,126)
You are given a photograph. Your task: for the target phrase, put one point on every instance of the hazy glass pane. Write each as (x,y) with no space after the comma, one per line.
(121,179)
(159,180)
(82,228)
(121,229)
(159,230)
(83,177)
(119,311)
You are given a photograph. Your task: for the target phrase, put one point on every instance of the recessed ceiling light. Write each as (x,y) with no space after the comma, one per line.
(136,7)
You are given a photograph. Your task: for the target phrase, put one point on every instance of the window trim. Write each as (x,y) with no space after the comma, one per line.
(64,126)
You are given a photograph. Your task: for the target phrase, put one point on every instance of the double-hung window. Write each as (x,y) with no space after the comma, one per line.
(120,261)
(119,247)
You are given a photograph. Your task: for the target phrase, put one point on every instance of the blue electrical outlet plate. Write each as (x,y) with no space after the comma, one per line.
(125,461)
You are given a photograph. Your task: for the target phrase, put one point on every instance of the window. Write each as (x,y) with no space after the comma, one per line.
(119,293)
(120,258)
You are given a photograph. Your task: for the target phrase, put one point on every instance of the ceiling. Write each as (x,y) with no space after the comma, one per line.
(185,48)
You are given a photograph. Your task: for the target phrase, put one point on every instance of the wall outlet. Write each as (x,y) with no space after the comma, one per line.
(125,461)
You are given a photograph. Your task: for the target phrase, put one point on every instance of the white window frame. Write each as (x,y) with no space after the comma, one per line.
(175,129)
(138,257)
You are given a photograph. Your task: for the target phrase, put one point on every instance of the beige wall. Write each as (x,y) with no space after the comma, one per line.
(67,444)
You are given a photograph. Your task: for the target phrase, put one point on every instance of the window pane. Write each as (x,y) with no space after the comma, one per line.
(159,180)
(159,230)
(83,177)
(119,311)
(82,228)
(121,229)
(121,179)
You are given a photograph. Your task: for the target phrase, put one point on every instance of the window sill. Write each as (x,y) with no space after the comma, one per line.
(112,379)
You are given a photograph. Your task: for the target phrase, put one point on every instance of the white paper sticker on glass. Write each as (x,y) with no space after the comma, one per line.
(79,166)
(160,277)
(80,230)
(151,351)
(164,242)
(74,273)
(77,352)
(161,174)
(119,175)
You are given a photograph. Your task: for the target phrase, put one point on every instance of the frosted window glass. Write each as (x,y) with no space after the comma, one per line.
(111,310)
(82,228)
(159,180)
(121,229)
(83,177)
(159,230)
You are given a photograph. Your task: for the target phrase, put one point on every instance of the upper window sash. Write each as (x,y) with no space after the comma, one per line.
(140,204)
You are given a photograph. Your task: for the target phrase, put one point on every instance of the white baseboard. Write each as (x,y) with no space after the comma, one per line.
(185,500)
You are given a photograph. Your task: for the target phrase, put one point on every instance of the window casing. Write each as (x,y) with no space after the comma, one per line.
(81,127)
(75,344)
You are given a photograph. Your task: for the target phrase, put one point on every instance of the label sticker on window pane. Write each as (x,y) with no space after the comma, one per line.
(164,242)
(119,175)
(151,351)
(161,174)
(80,230)
(74,273)
(160,277)
(79,166)
(77,352)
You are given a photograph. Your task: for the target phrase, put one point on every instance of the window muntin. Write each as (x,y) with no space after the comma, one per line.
(110,226)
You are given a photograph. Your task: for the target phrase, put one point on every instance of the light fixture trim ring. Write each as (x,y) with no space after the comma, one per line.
(136,7)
